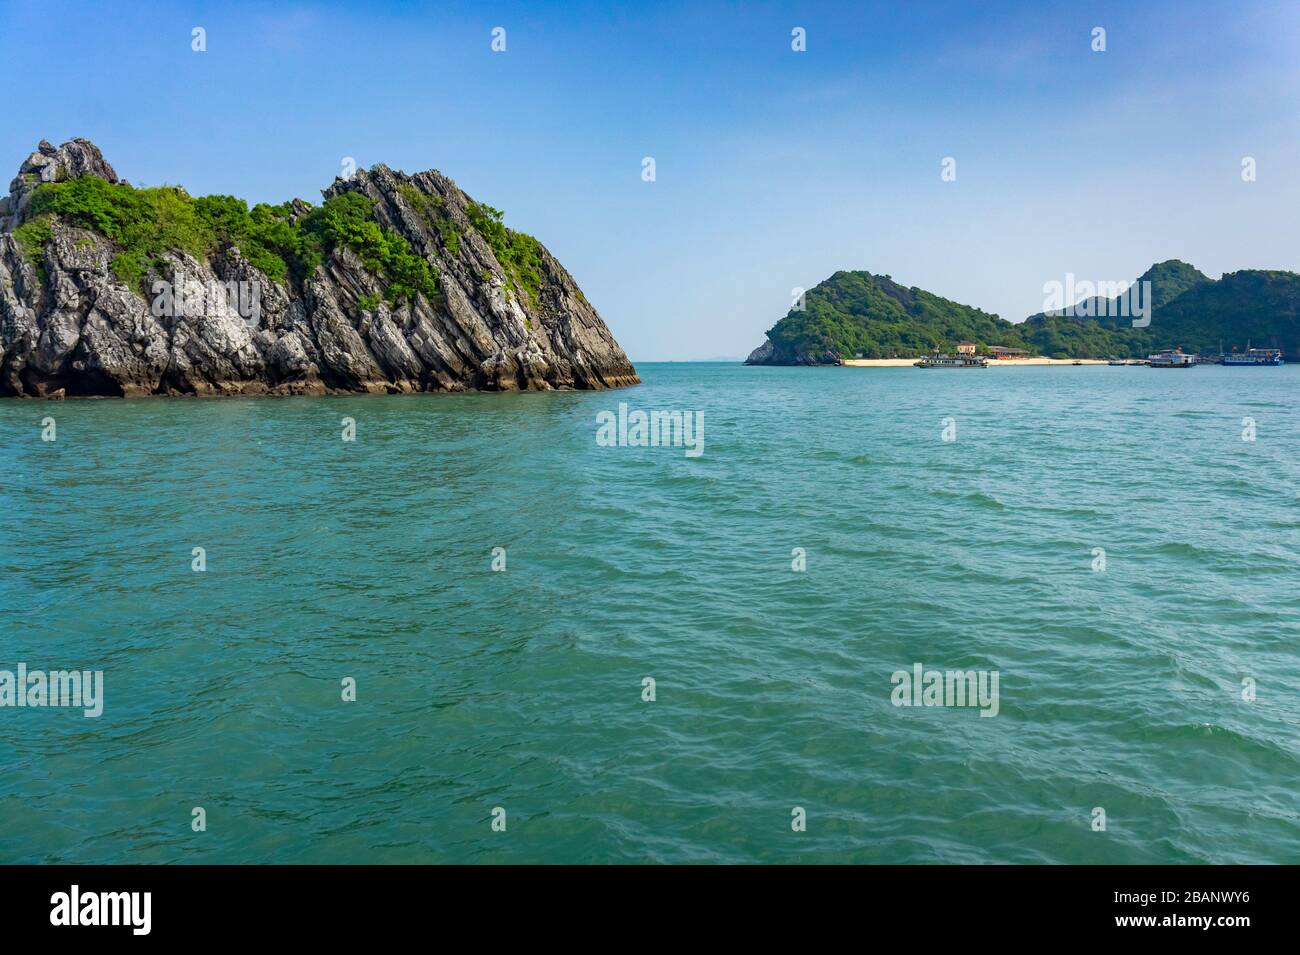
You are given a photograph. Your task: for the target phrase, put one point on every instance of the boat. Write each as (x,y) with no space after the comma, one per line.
(1254,356)
(1171,358)
(952,361)
(1116,361)
(1076,362)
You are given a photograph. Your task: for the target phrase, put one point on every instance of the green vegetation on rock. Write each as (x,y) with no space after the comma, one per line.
(31,237)
(518,252)
(348,220)
(266,235)
(146,223)
(434,211)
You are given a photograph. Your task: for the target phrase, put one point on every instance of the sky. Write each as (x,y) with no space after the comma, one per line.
(773,168)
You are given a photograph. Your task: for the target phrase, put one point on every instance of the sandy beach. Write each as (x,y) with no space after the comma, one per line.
(993,363)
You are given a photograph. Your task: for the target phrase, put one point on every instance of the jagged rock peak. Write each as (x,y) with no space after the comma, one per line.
(488,308)
(72,160)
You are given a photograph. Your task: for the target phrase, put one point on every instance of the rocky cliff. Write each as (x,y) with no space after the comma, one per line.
(89,307)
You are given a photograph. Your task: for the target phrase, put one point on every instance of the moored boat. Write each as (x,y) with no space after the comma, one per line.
(952,361)
(1171,358)
(1254,356)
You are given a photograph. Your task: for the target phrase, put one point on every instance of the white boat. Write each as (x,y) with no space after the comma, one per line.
(1172,358)
(952,361)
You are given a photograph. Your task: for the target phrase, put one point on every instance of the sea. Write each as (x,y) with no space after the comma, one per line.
(478,628)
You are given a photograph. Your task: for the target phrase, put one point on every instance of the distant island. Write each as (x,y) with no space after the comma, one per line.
(395,283)
(859,315)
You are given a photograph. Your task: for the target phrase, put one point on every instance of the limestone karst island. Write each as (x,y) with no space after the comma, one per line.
(395,283)
(860,318)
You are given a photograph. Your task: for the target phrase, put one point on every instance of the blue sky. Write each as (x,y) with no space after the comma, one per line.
(774,168)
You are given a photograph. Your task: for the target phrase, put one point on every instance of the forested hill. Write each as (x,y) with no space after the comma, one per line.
(855,314)
(1189,310)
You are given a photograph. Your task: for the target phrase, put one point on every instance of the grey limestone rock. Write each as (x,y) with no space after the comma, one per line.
(69,326)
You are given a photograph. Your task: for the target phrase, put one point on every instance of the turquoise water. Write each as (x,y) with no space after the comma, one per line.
(522,689)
